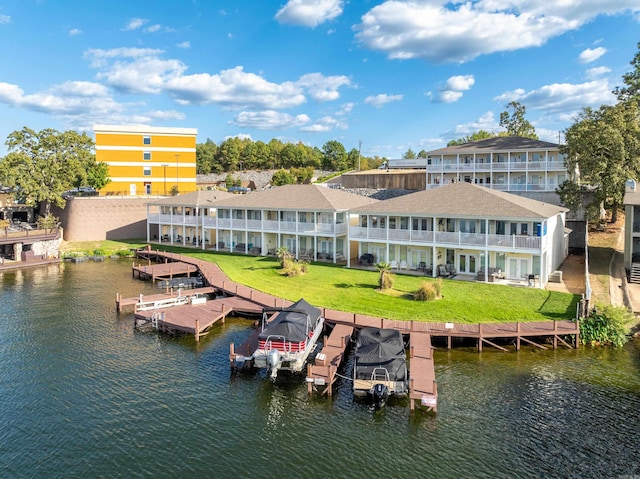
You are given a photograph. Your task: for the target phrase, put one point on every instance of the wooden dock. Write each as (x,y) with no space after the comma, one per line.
(163,270)
(323,372)
(196,318)
(422,376)
(122,303)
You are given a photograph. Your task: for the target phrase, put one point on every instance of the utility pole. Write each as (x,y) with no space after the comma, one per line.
(164,165)
(359,148)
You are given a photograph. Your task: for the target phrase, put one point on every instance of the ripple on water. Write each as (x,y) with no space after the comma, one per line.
(83,395)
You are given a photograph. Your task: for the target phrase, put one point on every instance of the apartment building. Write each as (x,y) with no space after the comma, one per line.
(146,160)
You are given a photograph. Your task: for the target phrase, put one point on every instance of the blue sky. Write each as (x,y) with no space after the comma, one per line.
(393,75)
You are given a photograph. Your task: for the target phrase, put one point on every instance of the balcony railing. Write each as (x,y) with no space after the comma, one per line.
(249,224)
(497,166)
(447,238)
(28,235)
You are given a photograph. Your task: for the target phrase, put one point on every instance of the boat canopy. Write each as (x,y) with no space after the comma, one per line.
(294,323)
(380,348)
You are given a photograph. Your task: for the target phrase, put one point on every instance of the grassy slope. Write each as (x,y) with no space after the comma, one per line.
(355,291)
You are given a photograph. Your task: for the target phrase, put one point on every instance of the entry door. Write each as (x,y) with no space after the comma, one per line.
(379,253)
(290,243)
(467,263)
(518,268)
(416,257)
(132,189)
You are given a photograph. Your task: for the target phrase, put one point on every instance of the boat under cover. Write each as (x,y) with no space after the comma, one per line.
(380,367)
(286,341)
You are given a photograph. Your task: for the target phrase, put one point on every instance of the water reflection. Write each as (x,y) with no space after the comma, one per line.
(85,395)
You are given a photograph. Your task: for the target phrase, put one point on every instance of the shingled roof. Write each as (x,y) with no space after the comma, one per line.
(466,200)
(298,197)
(495,144)
(197,198)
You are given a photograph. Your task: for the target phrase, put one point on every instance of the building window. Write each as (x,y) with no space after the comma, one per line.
(146,140)
(146,171)
(146,155)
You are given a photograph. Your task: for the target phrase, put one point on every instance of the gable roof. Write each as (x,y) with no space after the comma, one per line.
(464,199)
(496,143)
(298,197)
(196,198)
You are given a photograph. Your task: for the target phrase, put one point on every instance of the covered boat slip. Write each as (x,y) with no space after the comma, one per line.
(286,341)
(380,358)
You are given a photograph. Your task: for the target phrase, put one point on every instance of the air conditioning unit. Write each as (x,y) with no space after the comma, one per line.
(555,277)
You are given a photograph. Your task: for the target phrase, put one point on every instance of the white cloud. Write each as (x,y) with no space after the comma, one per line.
(268,120)
(444,31)
(452,90)
(166,115)
(486,122)
(597,72)
(135,23)
(184,45)
(378,101)
(137,70)
(345,109)
(75,31)
(591,54)
(309,13)
(4,19)
(235,89)
(562,99)
(153,28)
(326,123)
(322,88)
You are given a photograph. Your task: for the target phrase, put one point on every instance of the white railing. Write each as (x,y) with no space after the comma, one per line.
(457,238)
(239,223)
(254,224)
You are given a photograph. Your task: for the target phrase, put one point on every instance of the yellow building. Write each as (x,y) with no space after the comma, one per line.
(146,160)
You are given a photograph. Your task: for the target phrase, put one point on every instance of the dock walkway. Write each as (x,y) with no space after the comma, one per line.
(324,370)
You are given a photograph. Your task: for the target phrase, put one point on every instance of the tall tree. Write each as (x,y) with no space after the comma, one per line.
(43,165)
(206,157)
(409,155)
(605,146)
(334,156)
(631,90)
(515,122)
(98,175)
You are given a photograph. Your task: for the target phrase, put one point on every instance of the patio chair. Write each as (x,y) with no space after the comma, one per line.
(442,271)
(403,264)
(394,264)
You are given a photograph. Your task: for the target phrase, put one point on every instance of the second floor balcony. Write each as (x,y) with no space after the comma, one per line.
(444,238)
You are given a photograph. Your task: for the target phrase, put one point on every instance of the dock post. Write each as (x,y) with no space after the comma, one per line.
(197,330)
(555,334)
(309,383)
(518,336)
(480,337)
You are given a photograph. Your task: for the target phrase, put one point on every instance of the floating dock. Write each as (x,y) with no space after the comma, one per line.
(321,375)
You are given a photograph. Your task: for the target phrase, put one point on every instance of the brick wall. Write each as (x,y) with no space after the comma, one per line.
(98,218)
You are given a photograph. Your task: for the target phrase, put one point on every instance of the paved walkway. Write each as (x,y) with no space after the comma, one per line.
(621,292)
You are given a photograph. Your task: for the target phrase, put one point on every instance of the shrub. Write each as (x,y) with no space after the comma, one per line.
(99,252)
(605,326)
(124,253)
(437,285)
(385,280)
(295,268)
(426,292)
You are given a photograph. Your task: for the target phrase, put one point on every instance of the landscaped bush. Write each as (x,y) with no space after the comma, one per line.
(605,326)
(125,253)
(99,252)
(292,267)
(426,292)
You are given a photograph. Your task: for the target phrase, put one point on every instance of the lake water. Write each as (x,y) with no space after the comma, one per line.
(84,395)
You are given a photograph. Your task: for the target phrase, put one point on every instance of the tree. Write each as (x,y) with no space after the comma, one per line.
(605,146)
(475,136)
(98,175)
(422,154)
(283,177)
(43,165)
(334,156)
(409,155)
(631,80)
(206,157)
(385,280)
(354,159)
(515,123)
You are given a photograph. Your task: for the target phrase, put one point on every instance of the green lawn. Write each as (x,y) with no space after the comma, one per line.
(353,290)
